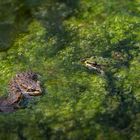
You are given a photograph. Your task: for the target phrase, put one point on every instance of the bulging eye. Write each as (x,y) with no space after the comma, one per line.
(35,77)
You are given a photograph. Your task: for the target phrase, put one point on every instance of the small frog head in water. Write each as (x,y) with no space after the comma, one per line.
(96,64)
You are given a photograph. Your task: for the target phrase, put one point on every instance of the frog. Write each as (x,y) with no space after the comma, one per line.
(23,86)
(95,63)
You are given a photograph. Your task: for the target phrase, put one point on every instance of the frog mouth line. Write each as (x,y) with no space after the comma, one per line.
(35,93)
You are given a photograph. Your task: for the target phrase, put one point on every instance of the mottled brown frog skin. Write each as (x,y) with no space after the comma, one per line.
(23,85)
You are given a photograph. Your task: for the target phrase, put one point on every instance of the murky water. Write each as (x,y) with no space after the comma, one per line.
(51,38)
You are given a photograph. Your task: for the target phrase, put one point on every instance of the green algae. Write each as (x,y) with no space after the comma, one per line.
(76,104)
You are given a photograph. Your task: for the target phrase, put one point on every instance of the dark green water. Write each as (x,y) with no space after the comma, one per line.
(51,37)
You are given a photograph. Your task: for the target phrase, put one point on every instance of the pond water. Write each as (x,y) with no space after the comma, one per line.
(51,38)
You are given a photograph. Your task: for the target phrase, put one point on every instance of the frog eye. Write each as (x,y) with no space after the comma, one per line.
(35,77)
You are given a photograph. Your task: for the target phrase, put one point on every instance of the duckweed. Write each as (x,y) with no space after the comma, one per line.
(51,37)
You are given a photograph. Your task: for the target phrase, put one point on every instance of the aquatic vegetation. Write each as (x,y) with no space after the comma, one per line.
(76,103)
